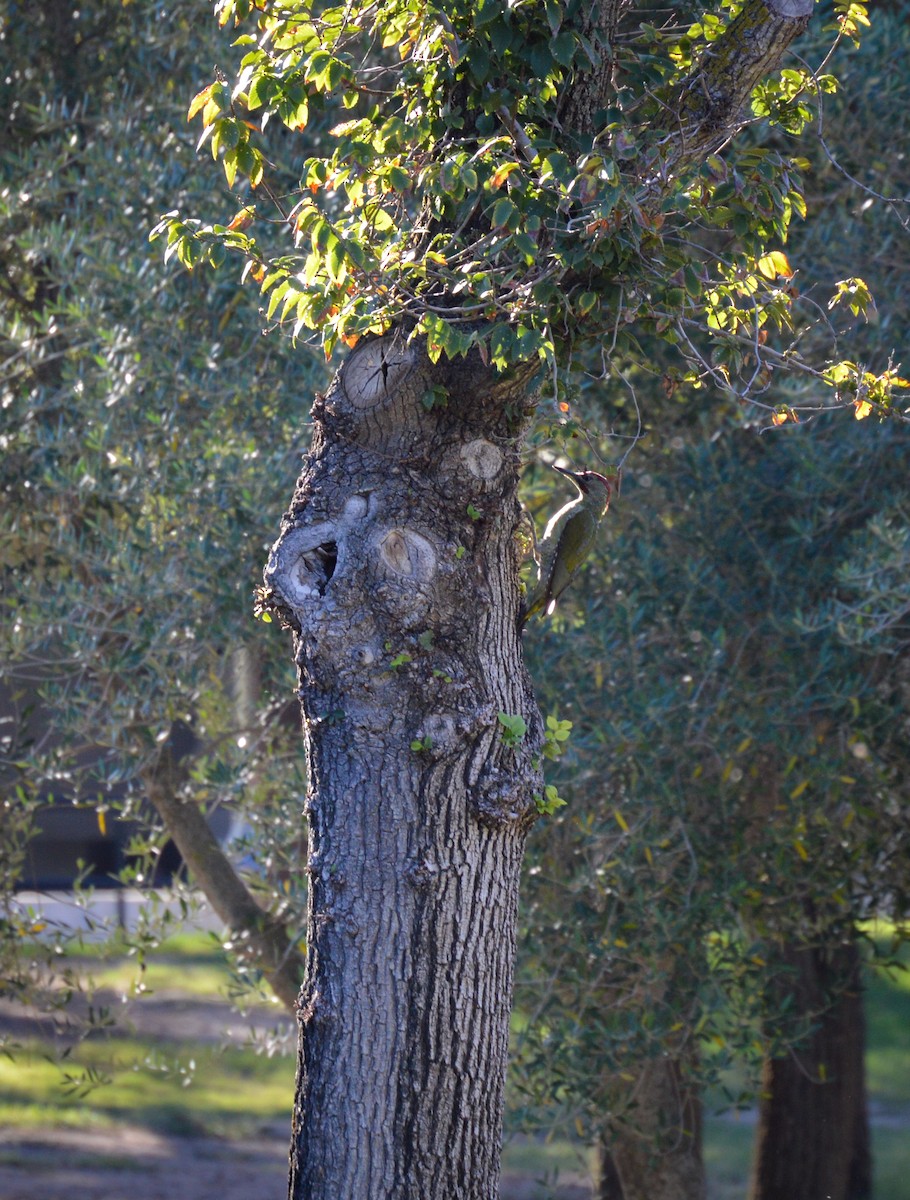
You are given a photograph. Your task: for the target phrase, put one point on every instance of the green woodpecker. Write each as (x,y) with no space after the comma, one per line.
(568,539)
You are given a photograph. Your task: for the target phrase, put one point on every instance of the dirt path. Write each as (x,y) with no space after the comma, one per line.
(136,1164)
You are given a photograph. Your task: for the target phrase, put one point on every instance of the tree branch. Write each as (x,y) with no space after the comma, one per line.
(591,92)
(268,946)
(710,102)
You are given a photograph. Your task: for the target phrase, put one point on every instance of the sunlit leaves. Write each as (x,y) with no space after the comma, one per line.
(440,180)
(867,391)
(774,265)
(854,293)
(200,100)
(782,414)
(784,99)
(244,218)
(849,16)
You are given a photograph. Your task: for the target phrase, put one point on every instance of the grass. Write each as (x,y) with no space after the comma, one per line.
(728,1155)
(888,1034)
(232,1092)
(207,1091)
(169,1086)
(547,1160)
(192,964)
(206,978)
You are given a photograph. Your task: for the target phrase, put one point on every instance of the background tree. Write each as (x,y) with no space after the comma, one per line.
(136,473)
(708,533)
(738,811)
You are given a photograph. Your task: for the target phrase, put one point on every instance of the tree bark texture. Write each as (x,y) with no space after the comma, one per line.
(656,1154)
(581,105)
(397,568)
(813,1134)
(710,104)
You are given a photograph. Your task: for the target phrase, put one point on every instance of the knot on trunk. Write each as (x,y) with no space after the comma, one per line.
(301,564)
(501,799)
(374,371)
(483,459)
(407,554)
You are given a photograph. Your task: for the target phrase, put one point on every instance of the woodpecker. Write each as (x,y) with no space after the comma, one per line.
(568,539)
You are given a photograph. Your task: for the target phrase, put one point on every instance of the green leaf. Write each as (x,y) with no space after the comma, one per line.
(514,728)
(486,11)
(562,48)
(276,297)
(550,802)
(199,101)
(335,259)
(505,214)
(230,167)
(501,36)
(261,91)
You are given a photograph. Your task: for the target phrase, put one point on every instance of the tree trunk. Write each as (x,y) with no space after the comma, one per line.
(656,1154)
(813,1135)
(397,568)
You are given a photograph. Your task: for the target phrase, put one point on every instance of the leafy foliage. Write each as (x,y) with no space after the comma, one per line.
(148,431)
(735,782)
(450,187)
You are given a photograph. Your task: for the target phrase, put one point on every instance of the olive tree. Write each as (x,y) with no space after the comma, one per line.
(736,785)
(491,195)
(736,568)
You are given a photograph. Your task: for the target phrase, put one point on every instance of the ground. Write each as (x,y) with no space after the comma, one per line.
(132,1162)
(135,1164)
(152,1139)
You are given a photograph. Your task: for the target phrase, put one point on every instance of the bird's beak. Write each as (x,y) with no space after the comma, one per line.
(577,479)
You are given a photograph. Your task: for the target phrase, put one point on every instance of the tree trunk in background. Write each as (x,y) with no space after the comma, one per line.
(657,1153)
(397,568)
(813,1133)
(609,1185)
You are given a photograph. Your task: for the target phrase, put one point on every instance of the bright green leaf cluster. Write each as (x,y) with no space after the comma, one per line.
(784,100)
(556,735)
(514,728)
(549,802)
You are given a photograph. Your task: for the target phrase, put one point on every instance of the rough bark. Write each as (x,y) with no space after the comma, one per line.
(657,1152)
(264,938)
(813,1137)
(710,105)
(397,569)
(580,104)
